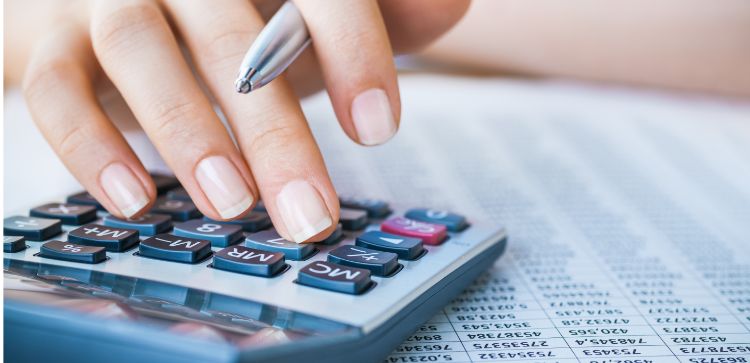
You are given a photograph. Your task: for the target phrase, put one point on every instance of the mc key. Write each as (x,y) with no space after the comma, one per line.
(333,277)
(173,248)
(113,239)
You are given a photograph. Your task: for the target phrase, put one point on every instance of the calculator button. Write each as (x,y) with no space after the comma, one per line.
(84,198)
(33,228)
(374,208)
(111,238)
(335,237)
(164,182)
(70,214)
(353,219)
(148,224)
(179,210)
(260,206)
(405,247)
(378,262)
(179,194)
(253,221)
(69,251)
(271,241)
(220,235)
(173,248)
(333,277)
(431,234)
(453,222)
(249,261)
(14,243)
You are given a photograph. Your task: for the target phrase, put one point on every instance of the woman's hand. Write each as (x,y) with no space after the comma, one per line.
(136,45)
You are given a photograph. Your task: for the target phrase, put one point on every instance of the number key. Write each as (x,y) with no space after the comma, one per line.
(220,235)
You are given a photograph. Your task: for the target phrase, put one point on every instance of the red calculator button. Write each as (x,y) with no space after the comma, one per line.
(431,234)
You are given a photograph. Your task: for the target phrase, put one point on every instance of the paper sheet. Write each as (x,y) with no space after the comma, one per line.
(628,215)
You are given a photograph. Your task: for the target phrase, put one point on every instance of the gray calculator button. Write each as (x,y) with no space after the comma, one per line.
(220,235)
(111,238)
(164,182)
(405,247)
(335,237)
(13,244)
(333,277)
(452,221)
(33,228)
(378,262)
(249,261)
(179,210)
(71,214)
(353,219)
(148,224)
(69,251)
(179,194)
(84,198)
(375,208)
(269,240)
(174,248)
(253,221)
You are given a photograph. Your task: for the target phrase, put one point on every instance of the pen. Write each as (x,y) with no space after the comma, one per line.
(276,47)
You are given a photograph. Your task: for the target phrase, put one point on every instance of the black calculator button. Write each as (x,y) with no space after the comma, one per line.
(270,241)
(179,210)
(13,244)
(111,238)
(253,221)
(452,221)
(71,214)
(148,224)
(220,235)
(335,237)
(353,219)
(405,247)
(378,262)
(333,277)
(249,261)
(164,182)
(260,206)
(374,208)
(69,251)
(33,228)
(84,198)
(178,194)
(174,248)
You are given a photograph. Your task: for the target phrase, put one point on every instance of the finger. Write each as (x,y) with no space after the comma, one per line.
(59,92)
(137,50)
(357,62)
(268,124)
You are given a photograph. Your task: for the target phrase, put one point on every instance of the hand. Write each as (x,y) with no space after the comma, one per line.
(135,45)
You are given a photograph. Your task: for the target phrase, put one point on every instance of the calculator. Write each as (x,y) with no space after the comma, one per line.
(173,286)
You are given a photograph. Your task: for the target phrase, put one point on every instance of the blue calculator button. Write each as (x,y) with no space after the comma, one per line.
(148,224)
(452,221)
(84,198)
(72,214)
(249,261)
(333,277)
(270,241)
(69,251)
(164,182)
(111,238)
(405,247)
(253,221)
(179,210)
(220,235)
(378,262)
(179,194)
(374,208)
(174,248)
(33,228)
(13,244)
(353,219)
(260,206)
(335,237)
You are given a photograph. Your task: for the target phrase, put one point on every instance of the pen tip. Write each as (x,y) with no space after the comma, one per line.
(241,85)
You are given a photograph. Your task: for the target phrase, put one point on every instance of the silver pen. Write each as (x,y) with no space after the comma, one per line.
(276,47)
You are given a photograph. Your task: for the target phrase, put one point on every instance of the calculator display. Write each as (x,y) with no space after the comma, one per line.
(171,308)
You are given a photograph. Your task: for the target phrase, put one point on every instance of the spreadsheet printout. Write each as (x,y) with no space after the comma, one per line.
(628,216)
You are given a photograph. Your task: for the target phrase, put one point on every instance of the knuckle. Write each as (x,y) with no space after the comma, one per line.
(223,47)
(71,141)
(119,28)
(170,116)
(43,77)
(274,137)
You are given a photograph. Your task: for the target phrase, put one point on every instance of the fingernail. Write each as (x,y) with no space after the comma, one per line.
(303,210)
(224,186)
(373,117)
(123,188)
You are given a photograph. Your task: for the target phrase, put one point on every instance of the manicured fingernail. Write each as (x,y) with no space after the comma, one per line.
(123,188)
(303,210)
(373,117)
(223,186)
